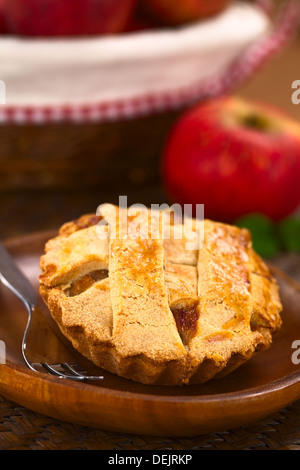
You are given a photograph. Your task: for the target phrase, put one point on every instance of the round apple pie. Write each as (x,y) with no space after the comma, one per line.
(160,308)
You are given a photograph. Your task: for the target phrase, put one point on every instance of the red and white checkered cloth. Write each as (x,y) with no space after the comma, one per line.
(226,68)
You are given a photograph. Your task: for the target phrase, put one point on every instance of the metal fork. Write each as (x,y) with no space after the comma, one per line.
(13,278)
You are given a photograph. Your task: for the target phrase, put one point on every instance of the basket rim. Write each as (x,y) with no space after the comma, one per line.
(236,72)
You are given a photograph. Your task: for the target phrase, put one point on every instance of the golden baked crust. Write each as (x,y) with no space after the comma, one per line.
(152,310)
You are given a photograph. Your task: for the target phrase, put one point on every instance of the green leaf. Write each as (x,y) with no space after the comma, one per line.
(289,233)
(263,230)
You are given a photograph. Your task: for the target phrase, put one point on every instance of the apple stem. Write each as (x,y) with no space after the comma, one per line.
(254,121)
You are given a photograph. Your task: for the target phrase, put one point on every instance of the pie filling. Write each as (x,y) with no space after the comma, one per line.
(82,284)
(186,314)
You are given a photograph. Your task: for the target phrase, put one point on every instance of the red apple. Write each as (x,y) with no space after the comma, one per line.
(140,20)
(235,157)
(68,17)
(138,24)
(172,12)
(4,29)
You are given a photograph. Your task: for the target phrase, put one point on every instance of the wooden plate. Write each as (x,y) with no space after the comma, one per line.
(265,384)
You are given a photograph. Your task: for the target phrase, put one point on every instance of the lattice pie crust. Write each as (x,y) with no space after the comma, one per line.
(155,312)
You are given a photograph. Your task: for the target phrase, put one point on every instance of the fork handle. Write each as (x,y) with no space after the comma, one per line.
(15,280)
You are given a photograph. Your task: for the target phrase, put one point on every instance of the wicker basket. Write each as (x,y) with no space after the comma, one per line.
(69,156)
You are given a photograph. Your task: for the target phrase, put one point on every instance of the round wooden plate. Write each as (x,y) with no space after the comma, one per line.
(267,383)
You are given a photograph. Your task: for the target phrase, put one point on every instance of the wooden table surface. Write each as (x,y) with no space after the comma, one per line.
(26,211)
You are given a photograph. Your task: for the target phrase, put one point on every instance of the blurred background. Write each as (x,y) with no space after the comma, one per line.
(55,170)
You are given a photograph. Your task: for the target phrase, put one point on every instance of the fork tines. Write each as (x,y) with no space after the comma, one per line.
(67,371)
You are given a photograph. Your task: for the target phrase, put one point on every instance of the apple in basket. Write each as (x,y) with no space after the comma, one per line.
(172,12)
(67,17)
(236,157)
(4,29)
